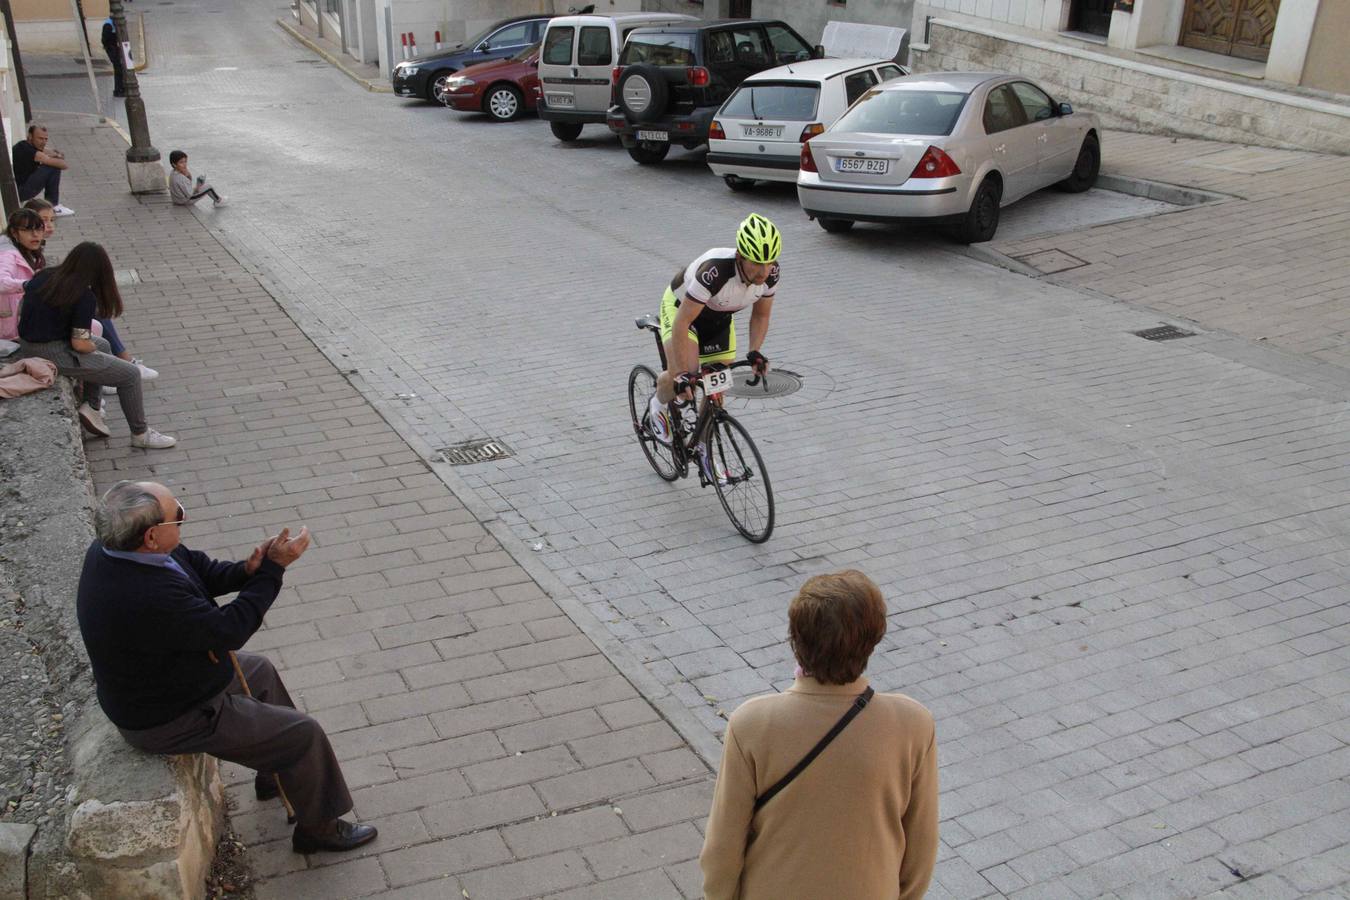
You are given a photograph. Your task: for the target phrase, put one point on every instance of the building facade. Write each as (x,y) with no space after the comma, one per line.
(47,26)
(1268,72)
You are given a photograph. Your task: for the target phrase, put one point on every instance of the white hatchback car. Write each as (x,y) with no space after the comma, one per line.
(946,148)
(758,132)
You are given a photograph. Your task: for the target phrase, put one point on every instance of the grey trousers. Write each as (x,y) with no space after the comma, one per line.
(95,370)
(264,732)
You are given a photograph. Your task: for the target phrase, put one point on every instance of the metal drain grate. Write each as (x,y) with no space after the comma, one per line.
(470,452)
(778,383)
(1163,333)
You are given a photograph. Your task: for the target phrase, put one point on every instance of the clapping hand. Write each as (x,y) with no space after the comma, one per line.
(284,549)
(256,557)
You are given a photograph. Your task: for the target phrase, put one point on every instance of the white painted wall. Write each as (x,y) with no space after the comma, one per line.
(1040,15)
(14,116)
(1289,44)
(57,36)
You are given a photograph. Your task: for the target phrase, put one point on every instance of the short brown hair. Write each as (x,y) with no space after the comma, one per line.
(834,622)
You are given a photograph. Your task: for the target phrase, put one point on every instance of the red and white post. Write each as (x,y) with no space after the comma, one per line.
(438,40)
(412,42)
(404,37)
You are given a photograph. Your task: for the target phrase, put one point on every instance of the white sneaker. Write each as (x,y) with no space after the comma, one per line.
(152,440)
(60,210)
(658,420)
(92,420)
(147,373)
(220,201)
(711,470)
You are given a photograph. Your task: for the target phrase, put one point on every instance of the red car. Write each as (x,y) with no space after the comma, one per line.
(502,88)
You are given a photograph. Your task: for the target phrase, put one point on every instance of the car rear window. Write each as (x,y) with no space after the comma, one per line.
(659,50)
(794,102)
(558,46)
(593,48)
(904,112)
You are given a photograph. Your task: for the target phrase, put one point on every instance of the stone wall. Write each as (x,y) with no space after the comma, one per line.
(111,821)
(1135,96)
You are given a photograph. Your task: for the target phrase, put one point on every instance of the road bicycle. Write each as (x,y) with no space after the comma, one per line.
(715,444)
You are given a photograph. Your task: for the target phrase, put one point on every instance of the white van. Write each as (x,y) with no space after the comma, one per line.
(577,62)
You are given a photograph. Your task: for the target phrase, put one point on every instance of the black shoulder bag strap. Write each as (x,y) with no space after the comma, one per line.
(809,758)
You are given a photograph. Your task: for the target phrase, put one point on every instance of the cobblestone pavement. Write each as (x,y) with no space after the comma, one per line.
(1117,568)
(1269,264)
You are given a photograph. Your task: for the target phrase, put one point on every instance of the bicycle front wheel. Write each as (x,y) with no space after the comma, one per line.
(641,385)
(741,479)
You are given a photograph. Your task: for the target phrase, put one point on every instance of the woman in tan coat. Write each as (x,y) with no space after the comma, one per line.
(861,820)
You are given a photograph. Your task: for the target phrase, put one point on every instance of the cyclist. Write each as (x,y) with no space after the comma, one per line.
(700,303)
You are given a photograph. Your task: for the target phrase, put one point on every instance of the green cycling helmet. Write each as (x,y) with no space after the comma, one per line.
(758,239)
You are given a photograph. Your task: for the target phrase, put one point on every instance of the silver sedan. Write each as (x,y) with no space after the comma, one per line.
(947,148)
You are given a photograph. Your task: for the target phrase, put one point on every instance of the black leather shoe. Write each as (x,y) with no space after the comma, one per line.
(265,787)
(337,836)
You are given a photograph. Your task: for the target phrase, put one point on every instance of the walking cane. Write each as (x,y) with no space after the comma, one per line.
(285,801)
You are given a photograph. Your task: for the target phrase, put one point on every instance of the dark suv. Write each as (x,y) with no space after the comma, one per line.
(671,80)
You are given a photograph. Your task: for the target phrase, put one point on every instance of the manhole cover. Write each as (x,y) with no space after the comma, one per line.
(778,383)
(470,452)
(1163,333)
(1052,261)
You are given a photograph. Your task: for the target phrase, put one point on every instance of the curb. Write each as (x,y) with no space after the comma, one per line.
(373,86)
(1176,194)
(145,54)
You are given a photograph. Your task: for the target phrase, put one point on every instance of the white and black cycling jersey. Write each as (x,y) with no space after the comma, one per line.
(714,281)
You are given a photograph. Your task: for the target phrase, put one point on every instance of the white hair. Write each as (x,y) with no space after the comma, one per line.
(124,514)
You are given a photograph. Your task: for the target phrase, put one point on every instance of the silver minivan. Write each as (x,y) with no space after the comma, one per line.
(576,64)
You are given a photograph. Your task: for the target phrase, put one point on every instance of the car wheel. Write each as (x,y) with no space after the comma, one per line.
(565,131)
(1084,174)
(436,86)
(643,93)
(648,152)
(503,102)
(836,226)
(737,183)
(982,217)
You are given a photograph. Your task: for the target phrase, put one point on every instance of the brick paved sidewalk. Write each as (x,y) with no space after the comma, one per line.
(497,748)
(1269,265)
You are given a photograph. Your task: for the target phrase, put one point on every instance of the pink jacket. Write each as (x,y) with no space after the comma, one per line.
(14,271)
(26,376)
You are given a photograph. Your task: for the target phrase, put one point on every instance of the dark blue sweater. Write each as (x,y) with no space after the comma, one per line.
(158,642)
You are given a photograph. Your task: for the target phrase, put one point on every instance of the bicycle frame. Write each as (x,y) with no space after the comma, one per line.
(707,409)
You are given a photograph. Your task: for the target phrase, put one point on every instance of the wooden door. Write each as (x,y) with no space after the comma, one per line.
(1240,28)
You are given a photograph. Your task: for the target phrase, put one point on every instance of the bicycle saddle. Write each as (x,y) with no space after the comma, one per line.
(651,323)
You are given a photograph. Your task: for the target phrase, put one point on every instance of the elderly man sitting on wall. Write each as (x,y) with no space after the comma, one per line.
(163,658)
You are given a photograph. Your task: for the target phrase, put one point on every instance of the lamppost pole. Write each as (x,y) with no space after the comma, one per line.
(145,172)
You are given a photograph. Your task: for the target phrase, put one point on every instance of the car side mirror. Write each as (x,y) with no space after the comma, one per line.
(1065,109)
(818,51)
(483,47)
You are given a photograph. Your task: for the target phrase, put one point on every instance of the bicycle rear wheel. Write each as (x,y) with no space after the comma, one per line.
(741,480)
(641,385)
